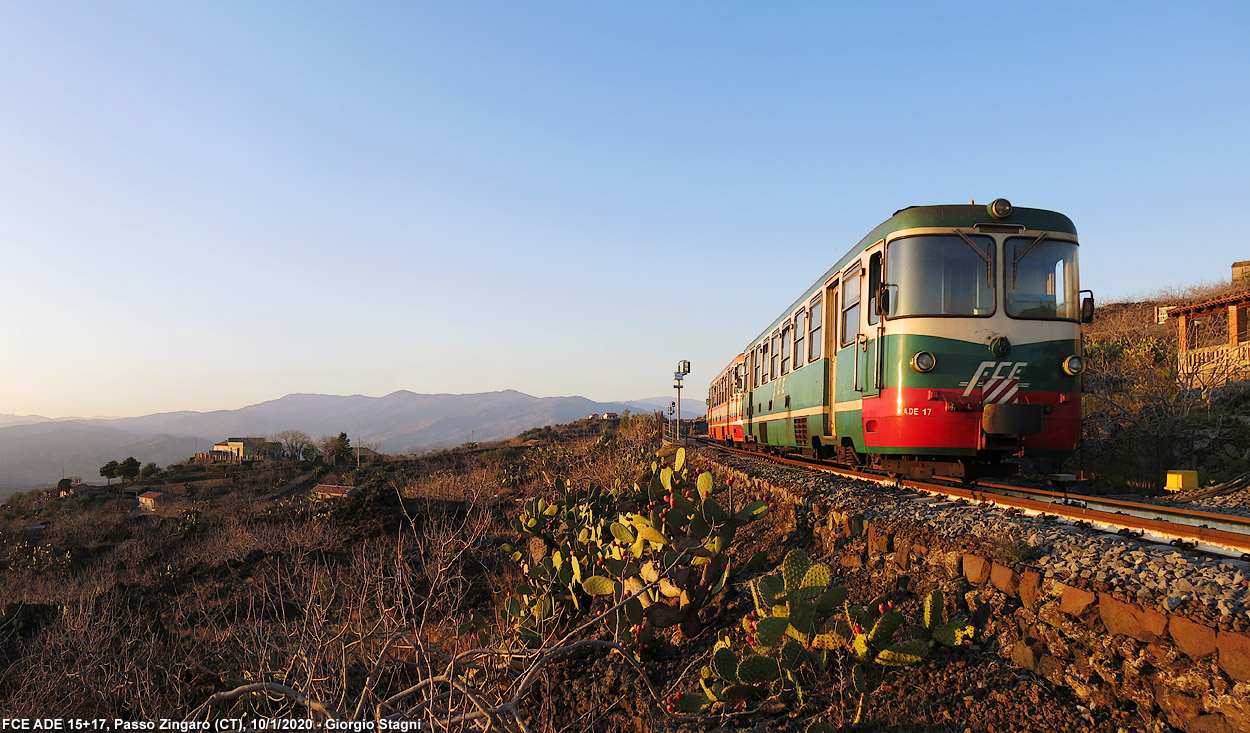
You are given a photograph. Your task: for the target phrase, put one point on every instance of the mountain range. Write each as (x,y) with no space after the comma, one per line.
(36,451)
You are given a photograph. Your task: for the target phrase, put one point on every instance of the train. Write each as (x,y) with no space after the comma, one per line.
(945,342)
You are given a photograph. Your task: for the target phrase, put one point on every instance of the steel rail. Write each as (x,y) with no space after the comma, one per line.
(1216,539)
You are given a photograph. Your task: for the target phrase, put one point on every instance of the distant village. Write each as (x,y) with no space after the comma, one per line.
(241,450)
(244,452)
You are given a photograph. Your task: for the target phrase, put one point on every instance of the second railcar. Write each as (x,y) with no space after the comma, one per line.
(724,414)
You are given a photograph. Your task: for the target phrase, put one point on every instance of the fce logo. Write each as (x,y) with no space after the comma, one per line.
(1006,370)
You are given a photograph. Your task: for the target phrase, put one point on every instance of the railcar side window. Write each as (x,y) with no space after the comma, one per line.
(942,275)
(800,330)
(764,353)
(850,306)
(814,337)
(1041,279)
(874,286)
(772,369)
(785,350)
(757,357)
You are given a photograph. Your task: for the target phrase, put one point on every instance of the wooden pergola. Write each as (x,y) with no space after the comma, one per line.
(1214,362)
(1235,305)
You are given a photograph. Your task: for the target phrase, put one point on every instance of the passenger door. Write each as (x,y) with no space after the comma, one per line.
(829,350)
(873,346)
(848,379)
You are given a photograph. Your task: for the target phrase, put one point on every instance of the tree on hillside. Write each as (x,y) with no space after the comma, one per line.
(129,468)
(336,450)
(343,449)
(109,472)
(296,444)
(149,470)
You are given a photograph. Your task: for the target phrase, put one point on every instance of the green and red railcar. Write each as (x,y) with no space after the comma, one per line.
(947,339)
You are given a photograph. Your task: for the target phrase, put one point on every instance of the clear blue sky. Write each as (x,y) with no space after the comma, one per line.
(205,205)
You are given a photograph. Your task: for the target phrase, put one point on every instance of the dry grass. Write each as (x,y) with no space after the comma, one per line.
(353,607)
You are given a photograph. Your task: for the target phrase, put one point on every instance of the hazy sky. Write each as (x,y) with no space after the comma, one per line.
(205,205)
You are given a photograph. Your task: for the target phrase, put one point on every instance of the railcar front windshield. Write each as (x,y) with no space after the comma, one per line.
(1041,279)
(941,275)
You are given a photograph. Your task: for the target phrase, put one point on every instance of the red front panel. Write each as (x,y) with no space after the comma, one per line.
(725,430)
(916,419)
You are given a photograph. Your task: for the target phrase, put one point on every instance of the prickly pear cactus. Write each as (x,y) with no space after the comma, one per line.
(655,554)
(799,619)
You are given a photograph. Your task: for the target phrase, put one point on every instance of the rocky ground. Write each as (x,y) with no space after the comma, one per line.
(1098,667)
(1234,502)
(1206,587)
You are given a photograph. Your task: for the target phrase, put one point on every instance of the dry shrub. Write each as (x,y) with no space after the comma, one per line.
(472,485)
(103,656)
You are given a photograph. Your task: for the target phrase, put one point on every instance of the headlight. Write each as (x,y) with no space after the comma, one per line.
(1073,365)
(923,361)
(999,208)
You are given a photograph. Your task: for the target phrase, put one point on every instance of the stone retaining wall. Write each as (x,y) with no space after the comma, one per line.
(1178,673)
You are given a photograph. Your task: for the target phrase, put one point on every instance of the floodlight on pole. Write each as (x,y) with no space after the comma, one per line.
(683,368)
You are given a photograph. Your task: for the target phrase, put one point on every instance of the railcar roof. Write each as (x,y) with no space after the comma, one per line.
(914,217)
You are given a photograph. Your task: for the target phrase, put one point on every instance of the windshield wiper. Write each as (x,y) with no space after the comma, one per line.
(1015,260)
(985,257)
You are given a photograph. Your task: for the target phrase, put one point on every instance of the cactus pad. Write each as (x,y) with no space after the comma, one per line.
(647,532)
(793,568)
(861,710)
(802,619)
(733,693)
(712,691)
(622,533)
(705,485)
(725,663)
(757,508)
(859,645)
(770,587)
(830,640)
(793,655)
(933,610)
(770,630)
(830,599)
(691,702)
(859,680)
(755,670)
(885,627)
(954,633)
(598,585)
(905,652)
(814,583)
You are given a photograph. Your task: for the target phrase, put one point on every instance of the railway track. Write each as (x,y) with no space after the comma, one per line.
(1209,532)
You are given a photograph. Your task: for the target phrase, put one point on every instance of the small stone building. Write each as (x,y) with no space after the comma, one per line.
(149,500)
(248,449)
(331,491)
